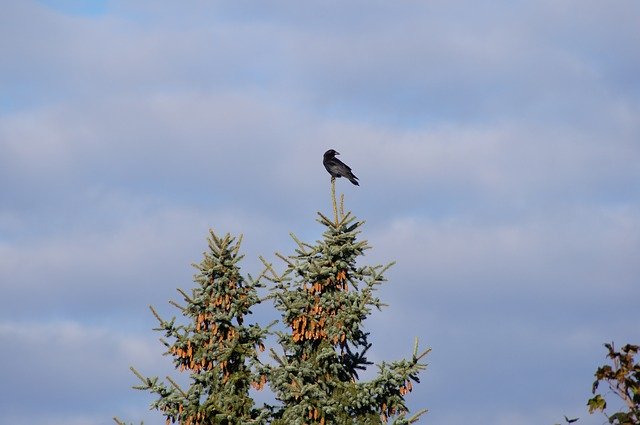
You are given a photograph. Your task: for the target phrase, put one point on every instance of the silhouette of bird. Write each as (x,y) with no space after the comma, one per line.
(569,421)
(337,168)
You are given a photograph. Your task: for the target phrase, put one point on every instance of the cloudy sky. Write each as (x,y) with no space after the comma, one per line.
(497,144)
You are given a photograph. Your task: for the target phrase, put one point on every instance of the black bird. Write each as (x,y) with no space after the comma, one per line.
(569,421)
(337,168)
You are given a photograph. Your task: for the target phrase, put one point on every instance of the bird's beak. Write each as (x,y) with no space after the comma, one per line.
(337,153)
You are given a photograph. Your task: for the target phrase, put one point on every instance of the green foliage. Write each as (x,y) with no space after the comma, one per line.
(323,297)
(623,379)
(215,346)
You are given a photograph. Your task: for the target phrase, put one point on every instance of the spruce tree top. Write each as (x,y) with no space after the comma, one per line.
(324,296)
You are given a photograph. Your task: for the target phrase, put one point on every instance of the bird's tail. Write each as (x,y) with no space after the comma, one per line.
(353,179)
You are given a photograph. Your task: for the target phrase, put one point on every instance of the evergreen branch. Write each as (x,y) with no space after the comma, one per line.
(269,266)
(333,198)
(424,353)
(342,205)
(415,348)
(176,386)
(345,219)
(284,301)
(213,236)
(299,242)
(416,356)
(178,306)
(139,375)
(235,250)
(214,242)
(271,324)
(226,241)
(273,280)
(123,423)
(325,220)
(276,357)
(387,267)
(265,298)
(155,313)
(256,282)
(285,259)
(186,297)
(415,417)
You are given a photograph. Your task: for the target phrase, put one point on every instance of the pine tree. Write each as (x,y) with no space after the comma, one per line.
(218,350)
(324,298)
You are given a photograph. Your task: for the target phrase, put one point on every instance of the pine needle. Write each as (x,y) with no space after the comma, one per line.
(176,386)
(285,259)
(138,374)
(299,242)
(186,297)
(155,313)
(175,304)
(415,417)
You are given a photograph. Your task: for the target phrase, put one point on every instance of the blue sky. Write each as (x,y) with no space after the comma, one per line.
(497,144)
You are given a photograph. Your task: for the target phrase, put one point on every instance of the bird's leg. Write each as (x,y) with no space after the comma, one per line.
(333,197)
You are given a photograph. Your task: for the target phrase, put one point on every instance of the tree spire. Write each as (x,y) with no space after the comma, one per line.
(324,297)
(214,345)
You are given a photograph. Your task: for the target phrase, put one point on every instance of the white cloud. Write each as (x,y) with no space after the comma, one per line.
(126,254)
(504,303)
(496,146)
(538,251)
(63,367)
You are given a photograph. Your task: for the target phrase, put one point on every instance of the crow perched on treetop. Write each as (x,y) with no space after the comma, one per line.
(337,168)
